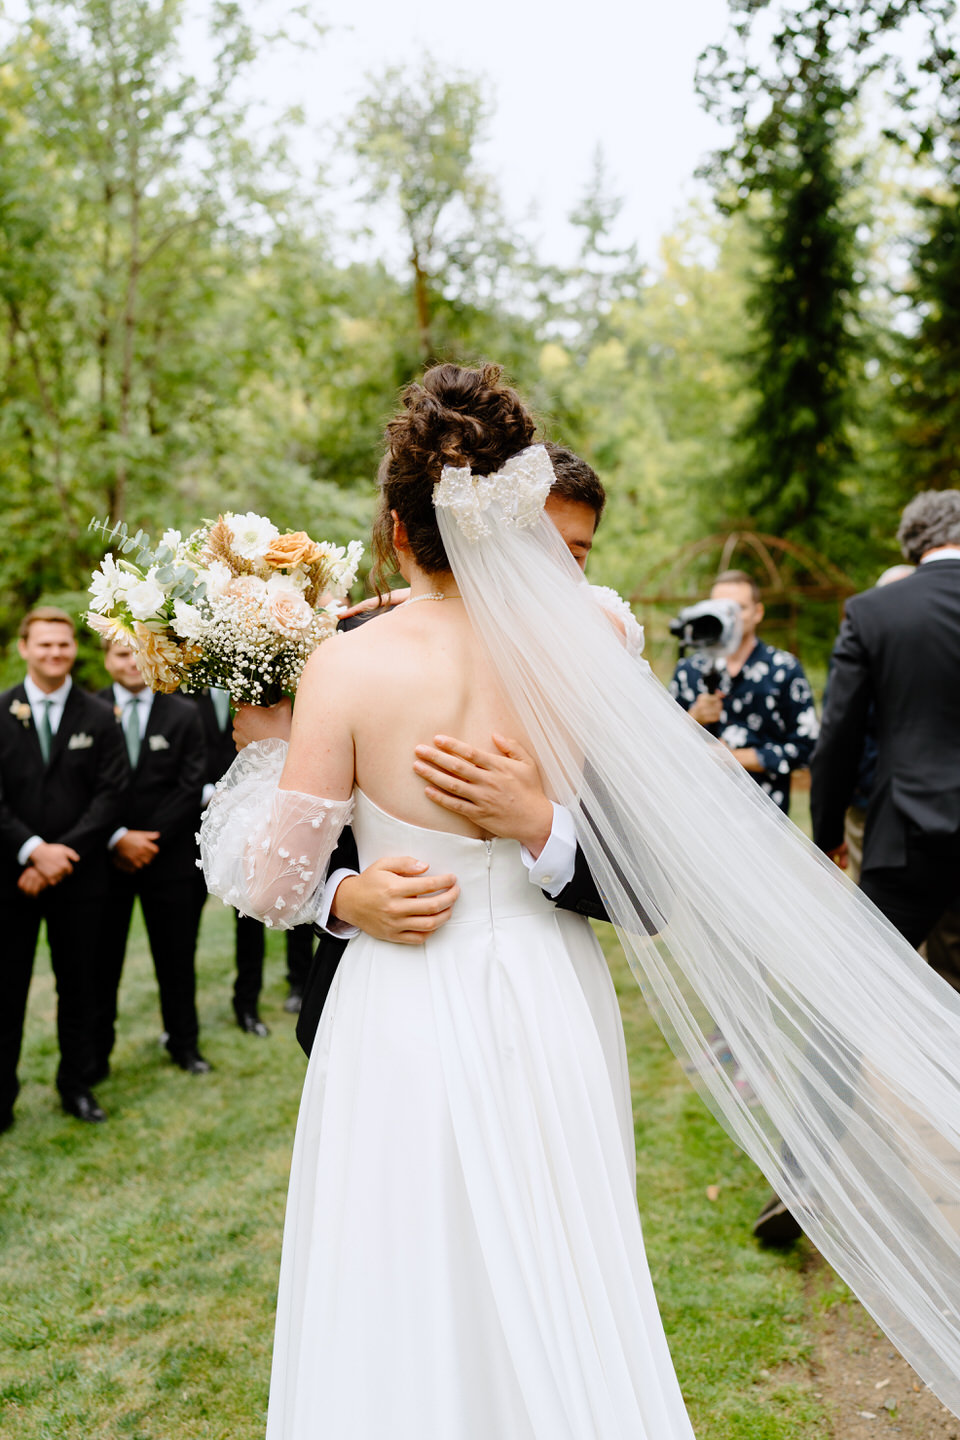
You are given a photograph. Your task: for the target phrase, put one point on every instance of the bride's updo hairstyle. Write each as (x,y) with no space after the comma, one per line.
(454,416)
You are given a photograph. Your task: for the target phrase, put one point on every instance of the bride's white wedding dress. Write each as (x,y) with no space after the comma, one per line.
(462,1255)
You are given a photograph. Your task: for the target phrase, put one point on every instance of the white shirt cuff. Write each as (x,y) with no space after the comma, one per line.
(553,868)
(27,848)
(208,793)
(338,928)
(117,835)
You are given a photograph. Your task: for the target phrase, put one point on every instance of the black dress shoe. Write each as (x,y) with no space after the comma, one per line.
(83,1105)
(775,1225)
(6,1120)
(250,1022)
(191,1061)
(293,1002)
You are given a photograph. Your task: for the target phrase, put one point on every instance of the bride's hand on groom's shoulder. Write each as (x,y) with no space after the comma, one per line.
(262,722)
(500,791)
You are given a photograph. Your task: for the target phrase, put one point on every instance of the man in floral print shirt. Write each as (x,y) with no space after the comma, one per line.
(763,711)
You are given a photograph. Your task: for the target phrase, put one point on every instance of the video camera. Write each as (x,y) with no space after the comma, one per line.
(714,628)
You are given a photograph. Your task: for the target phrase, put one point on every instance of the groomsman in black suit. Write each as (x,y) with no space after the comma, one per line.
(153,856)
(899,647)
(61,781)
(214,707)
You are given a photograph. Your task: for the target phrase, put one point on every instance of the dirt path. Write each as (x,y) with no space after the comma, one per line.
(869,1389)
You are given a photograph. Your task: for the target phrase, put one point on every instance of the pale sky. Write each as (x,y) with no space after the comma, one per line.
(565,77)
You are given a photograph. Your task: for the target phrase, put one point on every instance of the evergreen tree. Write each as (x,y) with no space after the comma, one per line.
(788,166)
(930,359)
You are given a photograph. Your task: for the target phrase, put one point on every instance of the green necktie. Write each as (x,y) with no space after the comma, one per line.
(44,733)
(131,729)
(221,705)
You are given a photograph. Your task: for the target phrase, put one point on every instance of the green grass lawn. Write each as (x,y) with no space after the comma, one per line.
(139,1258)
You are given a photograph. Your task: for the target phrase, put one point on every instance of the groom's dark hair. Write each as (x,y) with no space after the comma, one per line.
(576,480)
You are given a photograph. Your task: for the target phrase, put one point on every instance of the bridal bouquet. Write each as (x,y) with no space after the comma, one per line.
(235,604)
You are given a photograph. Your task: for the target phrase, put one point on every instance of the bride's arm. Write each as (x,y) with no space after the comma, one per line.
(269,831)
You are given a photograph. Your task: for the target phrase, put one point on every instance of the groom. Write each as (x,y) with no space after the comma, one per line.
(500,792)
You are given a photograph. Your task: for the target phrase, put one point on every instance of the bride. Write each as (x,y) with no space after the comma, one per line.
(462,1253)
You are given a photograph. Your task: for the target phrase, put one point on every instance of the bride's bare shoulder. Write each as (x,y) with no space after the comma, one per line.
(344,657)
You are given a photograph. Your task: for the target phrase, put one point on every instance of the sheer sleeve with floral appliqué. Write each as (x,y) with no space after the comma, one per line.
(264,850)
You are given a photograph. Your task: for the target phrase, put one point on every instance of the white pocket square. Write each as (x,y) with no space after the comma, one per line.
(80,741)
(158,742)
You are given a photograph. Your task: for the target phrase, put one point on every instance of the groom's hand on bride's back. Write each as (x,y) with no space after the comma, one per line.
(500,791)
(394,899)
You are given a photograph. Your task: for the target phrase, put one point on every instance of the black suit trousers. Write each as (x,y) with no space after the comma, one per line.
(250,951)
(172,917)
(73,933)
(915,895)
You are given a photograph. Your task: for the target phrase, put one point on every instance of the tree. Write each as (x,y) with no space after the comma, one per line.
(128,191)
(416,138)
(789,166)
(604,273)
(929,391)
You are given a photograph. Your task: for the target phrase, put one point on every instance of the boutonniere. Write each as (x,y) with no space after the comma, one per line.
(117,712)
(158,742)
(20,710)
(80,741)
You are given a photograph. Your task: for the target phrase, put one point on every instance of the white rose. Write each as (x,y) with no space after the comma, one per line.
(280,584)
(251,535)
(146,599)
(171,538)
(187,621)
(216,577)
(127,579)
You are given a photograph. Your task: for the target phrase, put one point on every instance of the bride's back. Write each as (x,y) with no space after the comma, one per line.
(419,671)
(414,673)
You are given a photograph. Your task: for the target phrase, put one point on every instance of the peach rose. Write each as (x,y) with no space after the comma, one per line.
(288,614)
(250,591)
(288,551)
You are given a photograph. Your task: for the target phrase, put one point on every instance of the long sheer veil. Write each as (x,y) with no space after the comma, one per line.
(731,919)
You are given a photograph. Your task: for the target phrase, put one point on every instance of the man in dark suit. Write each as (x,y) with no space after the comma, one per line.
(214,707)
(61,780)
(899,646)
(153,856)
(895,675)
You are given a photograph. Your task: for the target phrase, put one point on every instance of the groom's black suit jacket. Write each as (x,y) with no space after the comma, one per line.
(581,896)
(899,647)
(74,799)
